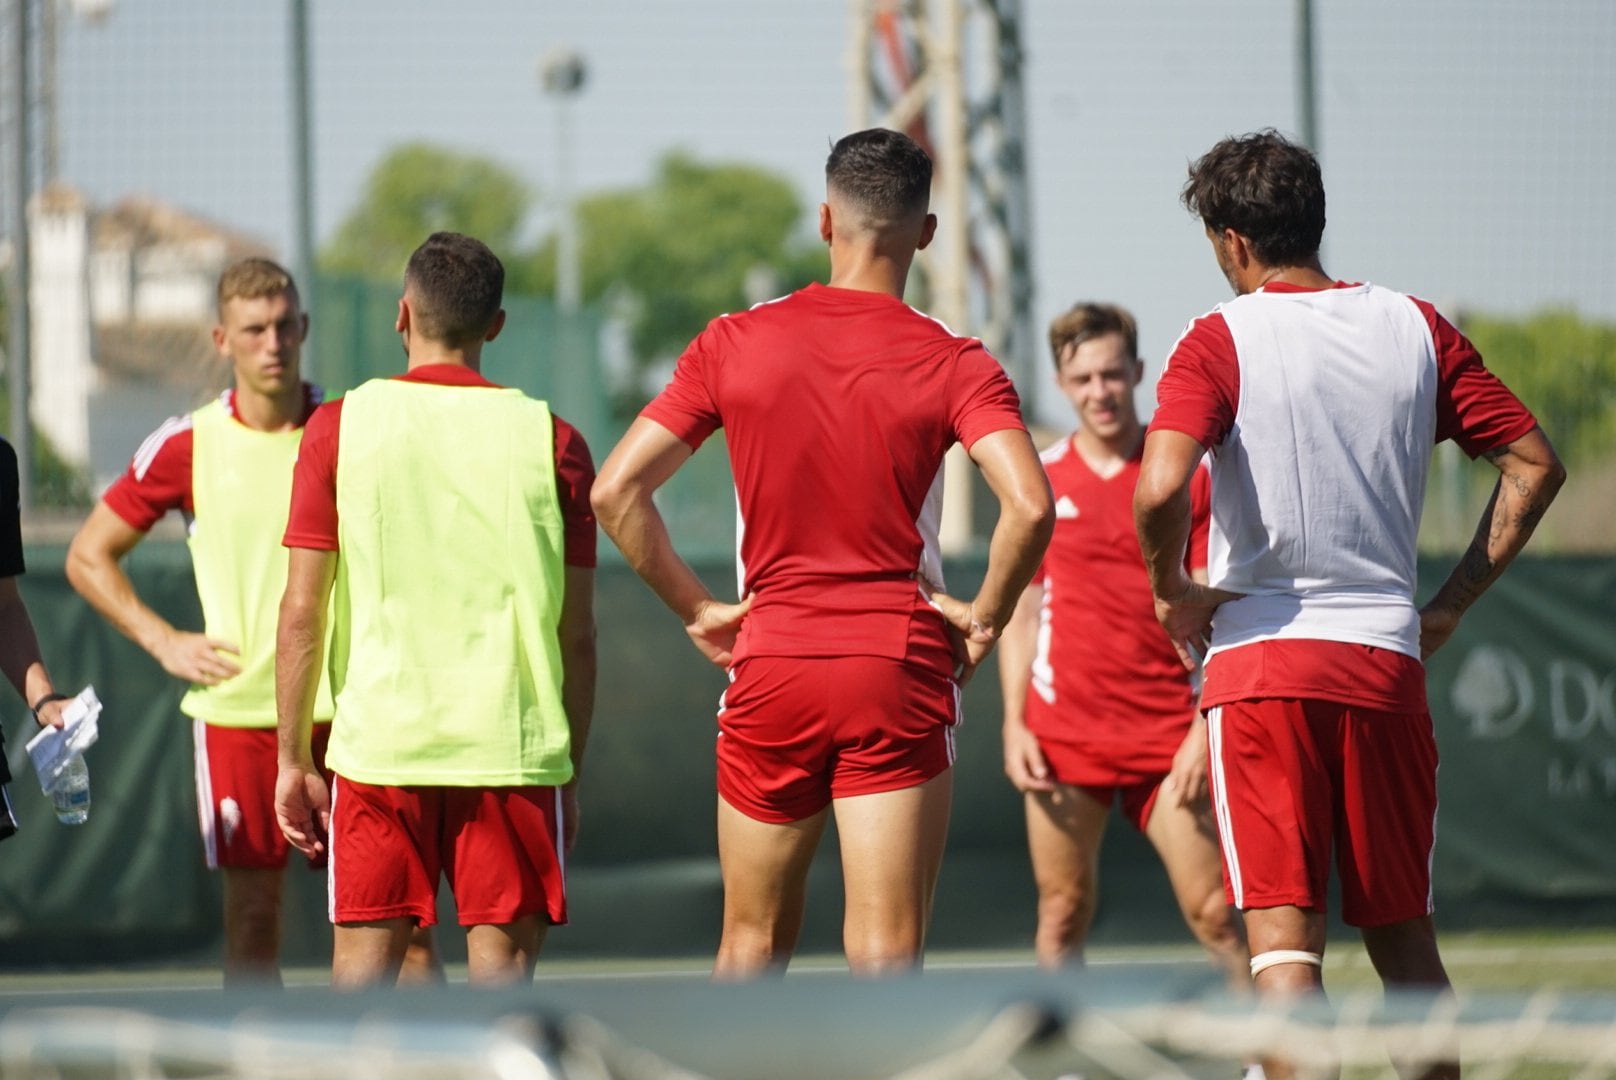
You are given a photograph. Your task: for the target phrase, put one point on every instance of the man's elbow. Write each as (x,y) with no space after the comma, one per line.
(610,497)
(80,563)
(1554,477)
(1038,511)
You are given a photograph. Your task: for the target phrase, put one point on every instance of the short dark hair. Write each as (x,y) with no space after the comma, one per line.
(1087,321)
(885,173)
(455,284)
(1264,187)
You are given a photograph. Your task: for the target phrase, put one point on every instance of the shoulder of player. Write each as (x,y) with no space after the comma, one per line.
(1057,451)
(172,440)
(1205,328)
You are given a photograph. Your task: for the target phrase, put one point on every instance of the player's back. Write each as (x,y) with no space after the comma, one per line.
(839,406)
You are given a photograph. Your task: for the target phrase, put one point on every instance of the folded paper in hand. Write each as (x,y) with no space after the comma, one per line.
(52,747)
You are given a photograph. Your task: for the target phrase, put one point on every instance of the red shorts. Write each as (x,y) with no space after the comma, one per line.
(795,733)
(235,795)
(1292,777)
(499,848)
(1075,766)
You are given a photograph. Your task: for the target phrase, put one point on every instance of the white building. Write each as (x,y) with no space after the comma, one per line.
(122,306)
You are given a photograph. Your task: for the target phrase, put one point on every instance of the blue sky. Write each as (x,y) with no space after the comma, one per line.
(1468,145)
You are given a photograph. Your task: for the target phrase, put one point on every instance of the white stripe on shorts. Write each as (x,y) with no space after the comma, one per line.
(331,858)
(204,792)
(1220,804)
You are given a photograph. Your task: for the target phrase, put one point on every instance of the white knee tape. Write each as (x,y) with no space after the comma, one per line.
(1274,957)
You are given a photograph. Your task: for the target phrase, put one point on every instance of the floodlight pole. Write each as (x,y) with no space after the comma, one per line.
(302,167)
(21,344)
(561,75)
(1307,112)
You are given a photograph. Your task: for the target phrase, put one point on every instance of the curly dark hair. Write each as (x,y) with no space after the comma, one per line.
(1264,187)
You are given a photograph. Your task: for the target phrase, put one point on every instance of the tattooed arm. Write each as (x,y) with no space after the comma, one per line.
(1530,474)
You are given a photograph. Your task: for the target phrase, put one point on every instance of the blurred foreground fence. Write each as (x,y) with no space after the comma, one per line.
(1524,697)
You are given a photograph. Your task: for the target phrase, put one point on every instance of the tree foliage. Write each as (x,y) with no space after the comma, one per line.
(1563,367)
(419,189)
(680,251)
(698,240)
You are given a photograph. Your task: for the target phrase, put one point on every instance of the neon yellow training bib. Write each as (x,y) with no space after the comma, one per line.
(241,490)
(449,583)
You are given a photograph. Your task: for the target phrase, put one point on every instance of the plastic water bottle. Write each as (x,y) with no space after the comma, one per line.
(70,793)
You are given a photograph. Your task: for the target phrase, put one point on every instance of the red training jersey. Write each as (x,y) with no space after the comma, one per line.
(838,406)
(313,519)
(1198,395)
(1105,678)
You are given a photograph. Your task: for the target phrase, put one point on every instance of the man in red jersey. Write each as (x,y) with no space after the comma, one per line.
(838,404)
(1097,708)
(450,518)
(1321,401)
(227,469)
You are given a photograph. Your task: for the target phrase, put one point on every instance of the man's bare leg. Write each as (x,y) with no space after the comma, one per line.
(422,965)
(366,954)
(1186,839)
(765,870)
(1406,958)
(252,926)
(892,849)
(1288,932)
(1064,830)
(504,954)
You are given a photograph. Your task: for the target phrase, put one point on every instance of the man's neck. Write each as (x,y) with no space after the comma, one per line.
(864,269)
(427,353)
(1107,456)
(1308,274)
(271,412)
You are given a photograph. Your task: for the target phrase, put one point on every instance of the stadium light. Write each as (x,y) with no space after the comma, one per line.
(562,75)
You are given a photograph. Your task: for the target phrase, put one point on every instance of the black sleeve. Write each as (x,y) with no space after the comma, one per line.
(10,514)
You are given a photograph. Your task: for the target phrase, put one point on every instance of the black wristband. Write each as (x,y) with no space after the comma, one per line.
(46,700)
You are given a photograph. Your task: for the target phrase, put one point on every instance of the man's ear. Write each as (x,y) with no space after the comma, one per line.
(824,222)
(928,229)
(496,326)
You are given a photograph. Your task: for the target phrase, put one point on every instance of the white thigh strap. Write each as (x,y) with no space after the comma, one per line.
(1274,957)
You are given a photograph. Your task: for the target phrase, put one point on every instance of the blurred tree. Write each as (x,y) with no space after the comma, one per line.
(1563,367)
(699,240)
(419,189)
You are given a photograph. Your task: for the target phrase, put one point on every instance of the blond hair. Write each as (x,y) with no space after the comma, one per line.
(253,278)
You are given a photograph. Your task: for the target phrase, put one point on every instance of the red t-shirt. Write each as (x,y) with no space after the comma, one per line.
(838,406)
(313,520)
(1198,395)
(1105,677)
(159,476)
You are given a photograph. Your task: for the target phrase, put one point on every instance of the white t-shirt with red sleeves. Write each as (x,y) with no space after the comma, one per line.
(1321,408)
(838,406)
(159,476)
(1105,678)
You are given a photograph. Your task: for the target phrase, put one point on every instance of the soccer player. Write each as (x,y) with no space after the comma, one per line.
(1321,400)
(227,468)
(20,660)
(450,517)
(838,403)
(1097,708)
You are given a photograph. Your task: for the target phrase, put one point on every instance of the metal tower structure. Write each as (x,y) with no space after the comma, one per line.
(948,73)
